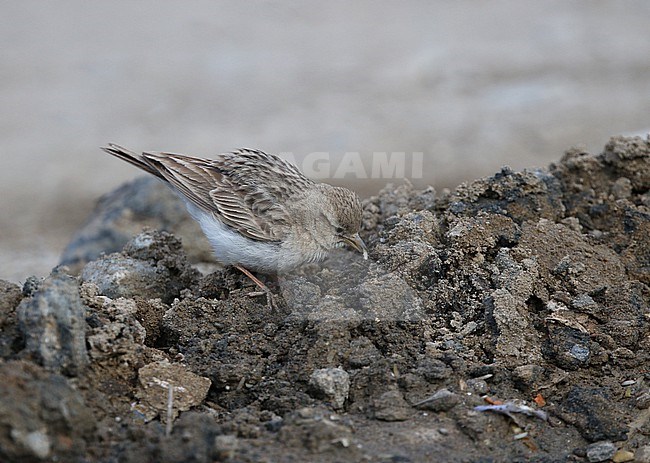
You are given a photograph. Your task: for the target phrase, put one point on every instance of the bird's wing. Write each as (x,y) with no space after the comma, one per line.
(247,190)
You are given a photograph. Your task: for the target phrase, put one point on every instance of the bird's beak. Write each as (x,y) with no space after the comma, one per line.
(357,244)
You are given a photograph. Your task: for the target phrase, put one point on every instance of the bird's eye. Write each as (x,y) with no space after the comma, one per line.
(339,230)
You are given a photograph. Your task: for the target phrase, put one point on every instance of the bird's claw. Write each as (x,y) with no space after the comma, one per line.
(270,299)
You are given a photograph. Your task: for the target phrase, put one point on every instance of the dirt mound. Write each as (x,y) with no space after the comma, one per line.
(507,320)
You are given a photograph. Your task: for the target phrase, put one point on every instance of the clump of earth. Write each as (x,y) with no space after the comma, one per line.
(507,320)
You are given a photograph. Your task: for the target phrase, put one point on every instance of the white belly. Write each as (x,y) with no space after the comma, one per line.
(231,248)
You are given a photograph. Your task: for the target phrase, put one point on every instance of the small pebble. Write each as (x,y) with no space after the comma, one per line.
(600,451)
(331,383)
(527,375)
(583,302)
(629,382)
(622,456)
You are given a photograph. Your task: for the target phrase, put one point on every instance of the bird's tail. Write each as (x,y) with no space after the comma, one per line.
(131,157)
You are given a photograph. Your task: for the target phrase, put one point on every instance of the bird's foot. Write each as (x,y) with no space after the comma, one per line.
(270,299)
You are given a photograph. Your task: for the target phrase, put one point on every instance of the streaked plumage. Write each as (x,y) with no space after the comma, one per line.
(257,210)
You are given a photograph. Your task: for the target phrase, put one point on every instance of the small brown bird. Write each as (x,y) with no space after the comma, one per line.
(258,211)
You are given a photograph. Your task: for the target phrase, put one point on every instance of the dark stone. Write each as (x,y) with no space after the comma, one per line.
(53,324)
(567,347)
(592,411)
(600,451)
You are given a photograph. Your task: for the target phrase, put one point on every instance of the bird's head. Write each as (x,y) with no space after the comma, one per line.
(341,214)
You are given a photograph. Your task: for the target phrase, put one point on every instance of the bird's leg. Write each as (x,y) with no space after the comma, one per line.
(253,278)
(262,286)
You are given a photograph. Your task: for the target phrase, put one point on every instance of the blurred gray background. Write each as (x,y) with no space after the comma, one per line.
(472,85)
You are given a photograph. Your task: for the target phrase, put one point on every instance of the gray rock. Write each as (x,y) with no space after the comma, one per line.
(53,325)
(333,384)
(584,303)
(593,413)
(600,451)
(568,347)
(123,213)
(118,276)
(152,265)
